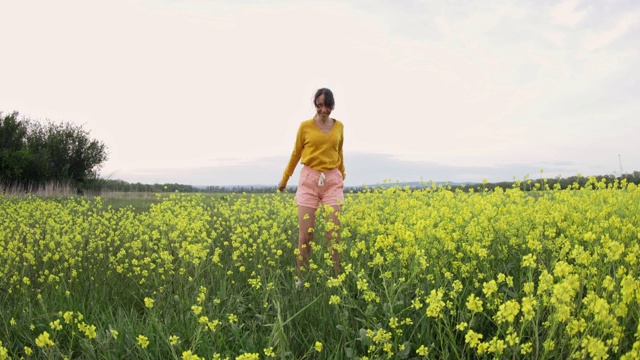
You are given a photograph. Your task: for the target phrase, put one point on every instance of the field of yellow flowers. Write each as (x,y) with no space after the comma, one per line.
(432,273)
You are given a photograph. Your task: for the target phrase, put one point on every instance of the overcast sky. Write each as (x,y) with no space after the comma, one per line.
(212,92)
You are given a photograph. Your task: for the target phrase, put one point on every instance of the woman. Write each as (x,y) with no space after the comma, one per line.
(319,145)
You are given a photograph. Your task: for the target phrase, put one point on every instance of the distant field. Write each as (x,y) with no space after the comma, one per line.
(430,273)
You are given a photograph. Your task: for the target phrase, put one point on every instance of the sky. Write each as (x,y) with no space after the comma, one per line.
(212,92)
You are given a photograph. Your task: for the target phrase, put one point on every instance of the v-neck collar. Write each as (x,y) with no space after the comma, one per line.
(320,129)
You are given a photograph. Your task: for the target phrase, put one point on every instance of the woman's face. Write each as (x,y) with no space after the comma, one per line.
(322,110)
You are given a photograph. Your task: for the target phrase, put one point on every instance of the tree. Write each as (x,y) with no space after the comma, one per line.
(68,154)
(32,154)
(13,154)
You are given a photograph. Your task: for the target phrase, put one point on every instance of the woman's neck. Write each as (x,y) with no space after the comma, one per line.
(322,119)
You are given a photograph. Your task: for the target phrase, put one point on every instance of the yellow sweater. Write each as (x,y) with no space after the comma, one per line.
(318,150)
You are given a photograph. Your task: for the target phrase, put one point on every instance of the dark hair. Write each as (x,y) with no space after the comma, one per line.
(328,97)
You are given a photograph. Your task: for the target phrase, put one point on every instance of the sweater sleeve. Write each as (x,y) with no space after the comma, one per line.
(295,157)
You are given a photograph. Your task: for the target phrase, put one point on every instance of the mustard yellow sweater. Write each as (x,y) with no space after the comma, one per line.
(319,151)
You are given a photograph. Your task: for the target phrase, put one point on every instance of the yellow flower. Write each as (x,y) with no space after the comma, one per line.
(474,304)
(333,282)
(549,345)
(512,339)
(507,312)
(416,303)
(472,338)
(188,355)
(4,352)
(68,316)
(44,341)
(173,339)
(393,322)
(529,261)
(488,288)
(268,352)
(435,303)
(596,348)
(143,341)
(318,346)
(148,303)
(232,318)
(114,333)
(526,348)
(422,350)
(497,346)
(334,300)
(248,356)
(528,305)
(27,350)
(88,330)
(529,288)
(55,325)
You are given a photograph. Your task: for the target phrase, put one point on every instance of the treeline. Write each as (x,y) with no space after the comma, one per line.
(33,155)
(123,186)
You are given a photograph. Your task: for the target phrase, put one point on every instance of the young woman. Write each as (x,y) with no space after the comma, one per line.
(319,147)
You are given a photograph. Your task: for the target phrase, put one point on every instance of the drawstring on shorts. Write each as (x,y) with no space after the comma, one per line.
(321,179)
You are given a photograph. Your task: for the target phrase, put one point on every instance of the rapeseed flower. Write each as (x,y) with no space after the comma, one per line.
(489,288)
(528,307)
(595,347)
(526,348)
(507,312)
(436,304)
(529,261)
(142,341)
(55,325)
(474,304)
(188,355)
(44,340)
(422,351)
(248,356)
(4,352)
(174,340)
(334,300)
(88,330)
(148,303)
(472,338)
(232,318)
(268,352)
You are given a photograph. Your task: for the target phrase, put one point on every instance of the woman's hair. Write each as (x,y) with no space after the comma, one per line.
(328,97)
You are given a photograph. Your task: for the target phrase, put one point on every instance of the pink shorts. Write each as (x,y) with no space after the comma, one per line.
(315,187)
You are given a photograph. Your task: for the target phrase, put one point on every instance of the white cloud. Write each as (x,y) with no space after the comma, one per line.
(568,14)
(597,40)
(555,37)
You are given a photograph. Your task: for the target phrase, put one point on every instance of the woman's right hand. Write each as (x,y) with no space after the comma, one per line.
(281,187)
